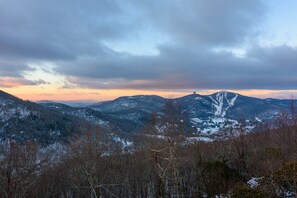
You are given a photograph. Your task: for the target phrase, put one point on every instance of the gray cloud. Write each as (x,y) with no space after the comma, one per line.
(183,68)
(12,69)
(62,30)
(52,29)
(8,82)
(205,22)
(71,35)
(11,75)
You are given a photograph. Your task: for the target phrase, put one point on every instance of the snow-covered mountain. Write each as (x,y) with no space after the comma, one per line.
(131,113)
(212,113)
(147,103)
(23,120)
(206,115)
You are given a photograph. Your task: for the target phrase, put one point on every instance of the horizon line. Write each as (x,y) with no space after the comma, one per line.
(173,96)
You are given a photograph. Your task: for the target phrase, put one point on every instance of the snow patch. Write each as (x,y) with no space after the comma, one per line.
(253,182)
(218,103)
(232,101)
(196,120)
(218,120)
(210,131)
(191,140)
(125,143)
(258,119)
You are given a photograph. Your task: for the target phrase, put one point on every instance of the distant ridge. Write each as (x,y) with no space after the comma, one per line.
(24,120)
(206,115)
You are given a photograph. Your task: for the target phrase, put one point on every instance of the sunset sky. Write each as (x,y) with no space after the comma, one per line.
(101,49)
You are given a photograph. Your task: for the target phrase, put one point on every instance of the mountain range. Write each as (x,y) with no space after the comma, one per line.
(24,120)
(203,115)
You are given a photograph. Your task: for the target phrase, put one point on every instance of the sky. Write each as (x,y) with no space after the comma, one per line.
(102,49)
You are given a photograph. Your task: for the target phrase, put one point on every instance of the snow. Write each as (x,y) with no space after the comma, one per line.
(289,194)
(218,103)
(55,132)
(232,101)
(198,139)
(102,122)
(125,143)
(249,128)
(218,120)
(125,104)
(258,119)
(253,182)
(161,129)
(196,120)
(210,131)
(213,125)
(82,113)
(15,111)
(57,150)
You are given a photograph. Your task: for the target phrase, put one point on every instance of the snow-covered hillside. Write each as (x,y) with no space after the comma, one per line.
(204,115)
(23,120)
(221,103)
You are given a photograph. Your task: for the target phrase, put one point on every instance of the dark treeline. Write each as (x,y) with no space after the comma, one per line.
(157,167)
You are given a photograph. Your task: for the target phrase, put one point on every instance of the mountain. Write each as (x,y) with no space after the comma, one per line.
(24,120)
(203,115)
(86,114)
(221,110)
(147,103)
(69,103)
(131,113)
(207,114)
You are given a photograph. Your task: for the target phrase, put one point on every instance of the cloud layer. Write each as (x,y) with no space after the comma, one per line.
(199,49)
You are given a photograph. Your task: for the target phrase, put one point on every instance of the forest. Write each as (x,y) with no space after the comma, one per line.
(262,163)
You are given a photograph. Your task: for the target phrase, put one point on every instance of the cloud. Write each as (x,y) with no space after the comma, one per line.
(73,36)
(8,82)
(65,30)
(209,22)
(58,30)
(33,32)
(13,69)
(183,68)
(11,74)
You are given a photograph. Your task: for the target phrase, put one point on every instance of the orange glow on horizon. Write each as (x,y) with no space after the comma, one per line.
(32,94)
(35,93)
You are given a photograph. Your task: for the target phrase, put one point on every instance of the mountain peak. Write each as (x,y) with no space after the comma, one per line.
(5,95)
